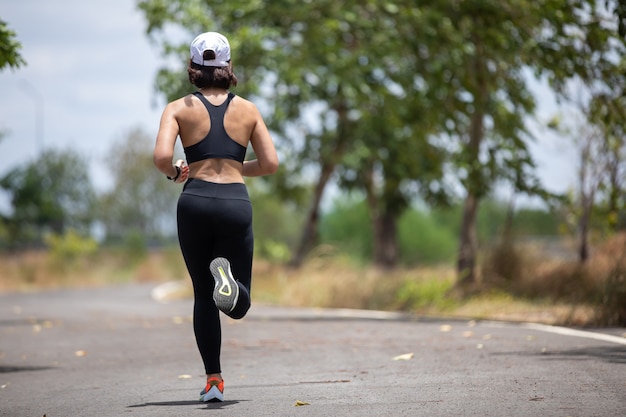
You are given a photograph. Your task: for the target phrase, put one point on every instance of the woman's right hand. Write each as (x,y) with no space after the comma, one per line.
(184,171)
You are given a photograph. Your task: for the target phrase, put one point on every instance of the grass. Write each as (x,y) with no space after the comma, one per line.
(538,290)
(423,291)
(41,270)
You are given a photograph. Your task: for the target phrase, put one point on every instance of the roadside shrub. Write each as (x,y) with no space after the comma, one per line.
(504,266)
(420,294)
(609,263)
(273,251)
(526,271)
(613,306)
(70,246)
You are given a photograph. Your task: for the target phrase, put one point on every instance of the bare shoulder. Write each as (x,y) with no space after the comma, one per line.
(180,107)
(184,102)
(245,105)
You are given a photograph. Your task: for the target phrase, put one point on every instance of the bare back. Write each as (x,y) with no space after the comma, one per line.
(194,123)
(189,119)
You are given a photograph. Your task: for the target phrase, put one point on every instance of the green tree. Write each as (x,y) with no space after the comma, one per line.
(486,49)
(9,54)
(50,194)
(606,111)
(402,93)
(342,61)
(477,53)
(9,48)
(141,203)
(619,8)
(597,94)
(601,181)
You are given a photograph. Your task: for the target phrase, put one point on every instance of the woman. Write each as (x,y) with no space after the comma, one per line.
(214,213)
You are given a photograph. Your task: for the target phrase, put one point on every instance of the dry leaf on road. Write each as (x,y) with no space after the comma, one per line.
(404,357)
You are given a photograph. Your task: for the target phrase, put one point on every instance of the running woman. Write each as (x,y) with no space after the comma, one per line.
(214,214)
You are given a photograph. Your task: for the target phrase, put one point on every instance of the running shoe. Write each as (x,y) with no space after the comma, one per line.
(226,290)
(214,391)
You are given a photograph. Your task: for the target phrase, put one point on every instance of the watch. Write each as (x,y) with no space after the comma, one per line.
(177,174)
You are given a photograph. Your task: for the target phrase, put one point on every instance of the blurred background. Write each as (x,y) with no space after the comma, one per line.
(454,157)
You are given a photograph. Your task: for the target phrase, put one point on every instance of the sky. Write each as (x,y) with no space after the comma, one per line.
(90,72)
(89,77)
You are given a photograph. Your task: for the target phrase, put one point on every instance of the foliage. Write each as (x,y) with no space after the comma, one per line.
(536,222)
(274,222)
(619,8)
(364,104)
(424,240)
(346,227)
(134,246)
(597,203)
(9,48)
(494,43)
(607,111)
(273,218)
(273,251)
(51,194)
(427,236)
(141,202)
(400,100)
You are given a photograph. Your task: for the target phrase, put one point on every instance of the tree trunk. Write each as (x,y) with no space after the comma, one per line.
(583,245)
(466,262)
(588,185)
(385,241)
(583,248)
(475,183)
(615,190)
(468,245)
(309,237)
(384,224)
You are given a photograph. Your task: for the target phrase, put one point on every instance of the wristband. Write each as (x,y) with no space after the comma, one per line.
(177,174)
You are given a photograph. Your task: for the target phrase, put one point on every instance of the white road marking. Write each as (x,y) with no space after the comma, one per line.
(560,330)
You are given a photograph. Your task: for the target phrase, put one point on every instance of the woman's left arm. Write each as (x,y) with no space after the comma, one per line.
(261,140)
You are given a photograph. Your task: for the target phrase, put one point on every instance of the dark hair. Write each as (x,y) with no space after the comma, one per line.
(204,77)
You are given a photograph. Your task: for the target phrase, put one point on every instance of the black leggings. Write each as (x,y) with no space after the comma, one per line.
(215,220)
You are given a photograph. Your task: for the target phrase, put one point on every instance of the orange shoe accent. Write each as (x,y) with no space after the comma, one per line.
(214,390)
(215,382)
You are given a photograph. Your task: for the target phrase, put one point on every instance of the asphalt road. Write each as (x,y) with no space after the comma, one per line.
(118,352)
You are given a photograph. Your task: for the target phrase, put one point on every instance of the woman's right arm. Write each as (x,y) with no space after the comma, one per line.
(164,147)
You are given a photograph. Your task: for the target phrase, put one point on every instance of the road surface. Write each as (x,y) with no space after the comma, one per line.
(118,352)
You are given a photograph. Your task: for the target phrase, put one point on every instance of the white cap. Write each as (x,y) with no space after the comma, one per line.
(210,41)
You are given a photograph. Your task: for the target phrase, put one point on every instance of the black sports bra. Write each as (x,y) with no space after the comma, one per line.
(217,143)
